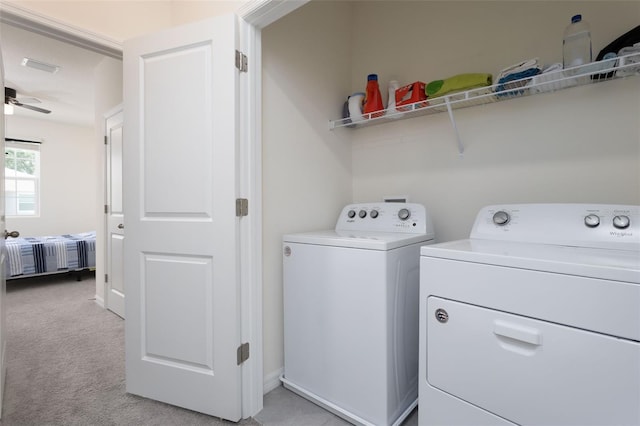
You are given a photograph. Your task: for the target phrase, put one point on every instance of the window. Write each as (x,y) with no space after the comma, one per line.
(22,180)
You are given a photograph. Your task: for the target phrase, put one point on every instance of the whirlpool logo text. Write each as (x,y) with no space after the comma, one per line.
(621,234)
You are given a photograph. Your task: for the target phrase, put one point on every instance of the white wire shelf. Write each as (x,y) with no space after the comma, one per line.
(593,72)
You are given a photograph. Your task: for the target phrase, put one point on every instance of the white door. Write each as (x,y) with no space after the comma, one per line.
(114,213)
(181,265)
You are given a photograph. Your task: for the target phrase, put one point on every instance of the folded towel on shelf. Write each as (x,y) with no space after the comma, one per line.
(458,83)
(519,67)
(516,76)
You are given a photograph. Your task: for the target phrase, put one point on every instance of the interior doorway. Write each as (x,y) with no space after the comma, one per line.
(78,95)
(259,14)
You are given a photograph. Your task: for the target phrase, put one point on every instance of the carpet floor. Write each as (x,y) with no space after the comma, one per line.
(65,361)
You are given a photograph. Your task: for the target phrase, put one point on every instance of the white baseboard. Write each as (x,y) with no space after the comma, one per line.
(100,301)
(272,381)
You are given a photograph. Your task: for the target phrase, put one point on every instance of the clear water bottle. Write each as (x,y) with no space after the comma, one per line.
(576,44)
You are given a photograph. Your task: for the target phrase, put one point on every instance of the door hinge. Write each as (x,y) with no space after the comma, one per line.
(243,353)
(241,61)
(106,278)
(106,209)
(105,140)
(242,207)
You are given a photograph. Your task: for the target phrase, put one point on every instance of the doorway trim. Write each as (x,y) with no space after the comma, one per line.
(49,27)
(258,14)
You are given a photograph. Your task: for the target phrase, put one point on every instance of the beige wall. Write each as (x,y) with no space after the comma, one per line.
(306,169)
(578,145)
(122,20)
(117,20)
(183,11)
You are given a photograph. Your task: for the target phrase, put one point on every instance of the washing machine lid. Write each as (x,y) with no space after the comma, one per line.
(360,240)
(609,264)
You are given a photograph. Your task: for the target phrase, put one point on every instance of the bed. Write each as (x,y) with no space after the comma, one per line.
(33,256)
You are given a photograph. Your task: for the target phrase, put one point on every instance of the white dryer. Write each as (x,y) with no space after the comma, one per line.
(534,320)
(351,312)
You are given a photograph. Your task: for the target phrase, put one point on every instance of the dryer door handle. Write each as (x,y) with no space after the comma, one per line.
(517,332)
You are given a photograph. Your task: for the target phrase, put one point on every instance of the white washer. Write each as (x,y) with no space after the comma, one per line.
(534,320)
(351,312)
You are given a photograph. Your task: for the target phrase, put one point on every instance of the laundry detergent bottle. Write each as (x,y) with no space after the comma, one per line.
(373,101)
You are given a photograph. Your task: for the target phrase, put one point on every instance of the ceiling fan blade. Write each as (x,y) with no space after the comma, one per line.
(29,100)
(33,108)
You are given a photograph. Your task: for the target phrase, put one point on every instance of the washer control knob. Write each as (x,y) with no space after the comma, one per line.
(501,218)
(362,214)
(621,222)
(404,214)
(351,214)
(592,220)
(373,214)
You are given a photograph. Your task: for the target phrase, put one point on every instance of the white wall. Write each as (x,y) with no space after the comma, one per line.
(67,177)
(306,168)
(578,145)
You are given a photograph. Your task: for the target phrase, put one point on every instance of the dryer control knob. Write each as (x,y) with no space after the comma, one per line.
(373,214)
(404,214)
(362,214)
(621,222)
(501,218)
(351,214)
(592,220)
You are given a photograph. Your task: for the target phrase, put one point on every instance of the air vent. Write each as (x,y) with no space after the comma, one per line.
(38,65)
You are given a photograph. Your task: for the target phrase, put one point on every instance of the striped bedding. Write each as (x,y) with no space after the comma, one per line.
(45,255)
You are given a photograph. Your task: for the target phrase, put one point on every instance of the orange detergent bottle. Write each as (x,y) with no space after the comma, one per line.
(373,102)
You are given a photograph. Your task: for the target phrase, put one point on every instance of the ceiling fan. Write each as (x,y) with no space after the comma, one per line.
(10,99)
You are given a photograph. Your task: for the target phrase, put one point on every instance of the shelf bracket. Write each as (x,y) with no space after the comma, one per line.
(455,127)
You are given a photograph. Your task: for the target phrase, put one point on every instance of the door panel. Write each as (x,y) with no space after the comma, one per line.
(189,281)
(115,213)
(189,103)
(181,255)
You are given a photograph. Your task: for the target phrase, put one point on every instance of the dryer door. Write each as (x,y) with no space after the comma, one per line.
(530,371)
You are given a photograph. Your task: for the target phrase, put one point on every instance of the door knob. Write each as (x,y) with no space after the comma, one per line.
(120,226)
(12,234)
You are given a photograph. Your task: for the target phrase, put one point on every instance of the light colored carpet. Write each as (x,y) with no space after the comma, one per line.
(65,361)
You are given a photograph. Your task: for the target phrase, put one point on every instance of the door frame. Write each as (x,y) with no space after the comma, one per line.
(258,14)
(106,117)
